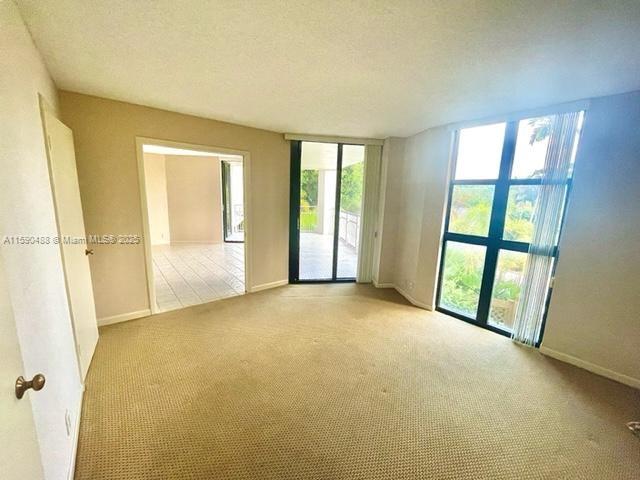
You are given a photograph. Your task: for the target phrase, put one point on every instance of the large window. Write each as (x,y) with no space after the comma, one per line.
(489,225)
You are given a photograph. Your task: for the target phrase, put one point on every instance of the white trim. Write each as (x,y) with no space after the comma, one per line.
(45,109)
(266,286)
(192,146)
(123,317)
(146,230)
(331,139)
(383,285)
(146,240)
(405,294)
(413,301)
(591,367)
(76,436)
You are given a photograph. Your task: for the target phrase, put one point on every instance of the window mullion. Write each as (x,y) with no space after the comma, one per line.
(496,225)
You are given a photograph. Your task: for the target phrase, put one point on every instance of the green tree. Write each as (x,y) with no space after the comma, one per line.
(470,213)
(541,128)
(309,187)
(308,200)
(471,209)
(351,187)
(462,279)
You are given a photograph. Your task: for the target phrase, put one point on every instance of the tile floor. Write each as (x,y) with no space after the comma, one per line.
(316,257)
(189,274)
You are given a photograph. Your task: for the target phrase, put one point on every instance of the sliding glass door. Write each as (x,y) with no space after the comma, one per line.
(493,195)
(232,201)
(326,204)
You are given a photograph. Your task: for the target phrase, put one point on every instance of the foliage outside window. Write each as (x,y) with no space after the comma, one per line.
(471,215)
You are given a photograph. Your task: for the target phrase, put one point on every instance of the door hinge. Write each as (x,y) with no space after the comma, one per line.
(552,281)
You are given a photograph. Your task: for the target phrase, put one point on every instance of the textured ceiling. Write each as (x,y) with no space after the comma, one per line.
(359,68)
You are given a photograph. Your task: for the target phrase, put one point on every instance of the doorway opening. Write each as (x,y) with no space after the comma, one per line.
(326,208)
(194,213)
(232,200)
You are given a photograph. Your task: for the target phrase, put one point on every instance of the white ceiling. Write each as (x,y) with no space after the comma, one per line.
(372,68)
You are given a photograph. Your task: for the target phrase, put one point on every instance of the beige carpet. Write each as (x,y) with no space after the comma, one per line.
(342,382)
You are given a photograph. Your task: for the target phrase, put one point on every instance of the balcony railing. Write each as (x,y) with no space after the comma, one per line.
(349,224)
(350,228)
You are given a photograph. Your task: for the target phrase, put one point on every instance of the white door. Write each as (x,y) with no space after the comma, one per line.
(66,193)
(19,454)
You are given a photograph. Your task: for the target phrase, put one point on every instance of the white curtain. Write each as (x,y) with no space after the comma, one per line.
(371,194)
(546,225)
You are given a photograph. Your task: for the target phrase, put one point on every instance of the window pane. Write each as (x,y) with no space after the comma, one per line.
(479,152)
(352,179)
(518,223)
(319,164)
(521,205)
(471,209)
(576,140)
(506,289)
(531,147)
(462,277)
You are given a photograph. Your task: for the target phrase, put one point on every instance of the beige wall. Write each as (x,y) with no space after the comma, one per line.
(594,315)
(155,179)
(33,272)
(392,178)
(105,133)
(427,165)
(195,199)
(416,197)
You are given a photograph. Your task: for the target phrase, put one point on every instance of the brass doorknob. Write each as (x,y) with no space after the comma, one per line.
(22,385)
(88,251)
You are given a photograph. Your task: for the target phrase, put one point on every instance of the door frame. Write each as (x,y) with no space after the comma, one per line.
(144,209)
(47,110)
(74,415)
(294,215)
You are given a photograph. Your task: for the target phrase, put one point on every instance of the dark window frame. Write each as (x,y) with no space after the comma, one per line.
(494,242)
(225,177)
(294,215)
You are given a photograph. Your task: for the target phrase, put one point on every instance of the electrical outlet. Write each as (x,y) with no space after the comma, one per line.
(67,422)
(410,285)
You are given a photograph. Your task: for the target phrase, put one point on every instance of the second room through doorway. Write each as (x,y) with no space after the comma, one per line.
(195,210)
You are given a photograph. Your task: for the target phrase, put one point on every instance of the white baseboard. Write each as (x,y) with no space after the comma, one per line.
(266,286)
(123,317)
(413,301)
(591,367)
(405,294)
(75,436)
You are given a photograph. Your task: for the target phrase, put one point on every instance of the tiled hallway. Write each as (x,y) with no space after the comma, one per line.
(189,274)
